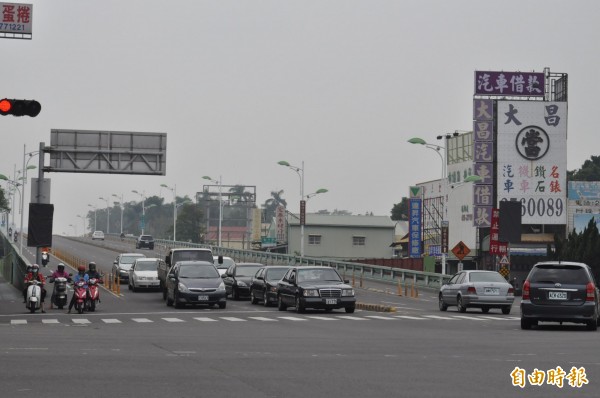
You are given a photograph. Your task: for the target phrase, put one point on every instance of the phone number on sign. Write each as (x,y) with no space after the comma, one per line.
(13,27)
(542,207)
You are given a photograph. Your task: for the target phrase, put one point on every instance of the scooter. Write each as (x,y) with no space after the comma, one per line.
(59,293)
(45,258)
(16,236)
(80,292)
(94,295)
(33,301)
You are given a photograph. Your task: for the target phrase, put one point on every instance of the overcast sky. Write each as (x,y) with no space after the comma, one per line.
(239,85)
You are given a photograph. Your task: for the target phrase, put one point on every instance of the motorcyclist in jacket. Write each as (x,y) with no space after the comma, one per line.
(81,275)
(92,272)
(27,275)
(59,273)
(36,275)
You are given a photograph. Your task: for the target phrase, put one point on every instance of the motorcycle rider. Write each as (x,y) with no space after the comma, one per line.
(27,275)
(36,275)
(93,273)
(81,275)
(59,273)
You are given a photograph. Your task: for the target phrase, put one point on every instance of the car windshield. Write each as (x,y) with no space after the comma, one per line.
(566,274)
(129,259)
(192,255)
(198,271)
(486,277)
(318,275)
(246,270)
(146,237)
(146,265)
(275,274)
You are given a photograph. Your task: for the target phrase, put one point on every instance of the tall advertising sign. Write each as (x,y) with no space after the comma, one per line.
(280,223)
(584,204)
(532,159)
(415,217)
(16,20)
(483,161)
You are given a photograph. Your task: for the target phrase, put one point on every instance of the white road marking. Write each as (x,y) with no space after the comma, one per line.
(352,318)
(260,318)
(173,319)
(232,319)
(493,318)
(18,322)
(471,318)
(50,321)
(205,319)
(410,317)
(111,320)
(387,318)
(440,317)
(322,318)
(291,318)
(80,321)
(141,320)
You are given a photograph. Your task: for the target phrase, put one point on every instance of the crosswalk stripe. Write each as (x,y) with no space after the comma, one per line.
(232,319)
(141,320)
(440,317)
(292,318)
(471,318)
(18,322)
(173,319)
(387,318)
(50,321)
(202,319)
(111,320)
(410,317)
(352,318)
(80,321)
(322,318)
(494,318)
(261,318)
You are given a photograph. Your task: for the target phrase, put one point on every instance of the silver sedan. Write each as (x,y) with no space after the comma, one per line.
(477,289)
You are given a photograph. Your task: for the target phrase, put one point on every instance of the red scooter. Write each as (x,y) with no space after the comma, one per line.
(80,292)
(94,294)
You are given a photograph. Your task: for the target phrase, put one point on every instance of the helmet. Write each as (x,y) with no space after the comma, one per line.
(28,268)
(92,266)
(61,266)
(81,268)
(35,268)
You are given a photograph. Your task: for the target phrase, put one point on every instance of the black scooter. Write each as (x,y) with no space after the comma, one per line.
(59,293)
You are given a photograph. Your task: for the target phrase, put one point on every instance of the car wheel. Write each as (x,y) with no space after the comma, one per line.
(223,305)
(299,307)
(129,286)
(169,301)
(485,310)
(135,289)
(253,299)
(459,304)
(280,305)
(164,291)
(525,324)
(235,294)
(443,306)
(349,310)
(506,310)
(592,325)
(176,300)
(265,299)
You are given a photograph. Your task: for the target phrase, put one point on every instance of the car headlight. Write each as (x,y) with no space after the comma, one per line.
(347,292)
(221,287)
(182,288)
(311,293)
(240,283)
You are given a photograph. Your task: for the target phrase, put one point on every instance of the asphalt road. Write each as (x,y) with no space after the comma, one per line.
(135,345)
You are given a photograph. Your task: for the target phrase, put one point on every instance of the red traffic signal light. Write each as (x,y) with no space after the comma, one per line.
(19,107)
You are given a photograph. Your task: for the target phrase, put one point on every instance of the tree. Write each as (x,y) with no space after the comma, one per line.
(400,210)
(270,205)
(4,205)
(189,223)
(590,171)
(580,247)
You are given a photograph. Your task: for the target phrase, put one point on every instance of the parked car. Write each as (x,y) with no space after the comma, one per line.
(195,282)
(477,289)
(314,287)
(223,263)
(123,263)
(146,241)
(237,279)
(143,274)
(263,286)
(560,291)
(98,235)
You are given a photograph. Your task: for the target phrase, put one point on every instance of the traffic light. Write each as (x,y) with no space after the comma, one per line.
(19,107)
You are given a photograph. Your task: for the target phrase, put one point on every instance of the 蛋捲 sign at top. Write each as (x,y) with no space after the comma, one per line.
(510,84)
(16,20)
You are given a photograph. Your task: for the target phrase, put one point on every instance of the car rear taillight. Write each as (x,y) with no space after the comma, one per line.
(526,290)
(591,292)
(511,290)
(471,290)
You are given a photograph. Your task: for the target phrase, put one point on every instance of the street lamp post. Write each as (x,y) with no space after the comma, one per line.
(220,183)
(174,190)
(94,207)
(121,206)
(107,214)
(143,196)
(300,172)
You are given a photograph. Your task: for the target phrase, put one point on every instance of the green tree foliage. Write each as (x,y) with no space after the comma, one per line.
(400,210)
(581,247)
(590,171)
(270,205)
(189,223)
(4,206)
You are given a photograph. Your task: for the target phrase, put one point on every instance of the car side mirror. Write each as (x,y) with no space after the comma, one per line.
(168,260)
(220,260)
(115,262)
(346,281)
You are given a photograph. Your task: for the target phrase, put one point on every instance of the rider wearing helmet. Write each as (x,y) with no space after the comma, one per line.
(59,273)
(92,272)
(36,275)
(81,275)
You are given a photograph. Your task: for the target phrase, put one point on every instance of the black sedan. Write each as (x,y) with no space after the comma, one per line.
(314,287)
(237,279)
(263,286)
(195,282)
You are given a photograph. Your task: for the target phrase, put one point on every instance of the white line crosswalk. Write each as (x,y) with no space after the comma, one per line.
(115,319)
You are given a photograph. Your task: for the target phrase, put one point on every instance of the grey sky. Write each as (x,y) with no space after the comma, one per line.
(240,85)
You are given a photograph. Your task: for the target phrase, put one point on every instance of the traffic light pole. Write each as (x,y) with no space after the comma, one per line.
(40,181)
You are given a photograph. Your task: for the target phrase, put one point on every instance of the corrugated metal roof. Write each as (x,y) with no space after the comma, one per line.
(348,221)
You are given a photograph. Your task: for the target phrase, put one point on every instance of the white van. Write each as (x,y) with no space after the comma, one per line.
(98,235)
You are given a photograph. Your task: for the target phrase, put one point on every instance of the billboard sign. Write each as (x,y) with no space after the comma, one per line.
(510,84)
(415,222)
(16,20)
(532,159)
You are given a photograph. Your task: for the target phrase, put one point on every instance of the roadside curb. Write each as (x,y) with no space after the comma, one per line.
(375,307)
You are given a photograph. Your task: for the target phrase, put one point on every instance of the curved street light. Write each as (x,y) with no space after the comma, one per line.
(174,191)
(121,206)
(143,196)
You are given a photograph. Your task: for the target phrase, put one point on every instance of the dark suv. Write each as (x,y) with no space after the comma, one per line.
(145,241)
(560,291)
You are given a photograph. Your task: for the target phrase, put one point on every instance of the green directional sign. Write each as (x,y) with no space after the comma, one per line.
(415,192)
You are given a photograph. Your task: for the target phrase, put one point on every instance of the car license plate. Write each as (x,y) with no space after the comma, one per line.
(557,295)
(202,298)
(492,290)
(330,301)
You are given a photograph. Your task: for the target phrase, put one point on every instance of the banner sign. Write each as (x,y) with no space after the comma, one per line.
(483,161)
(415,227)
(510,84)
